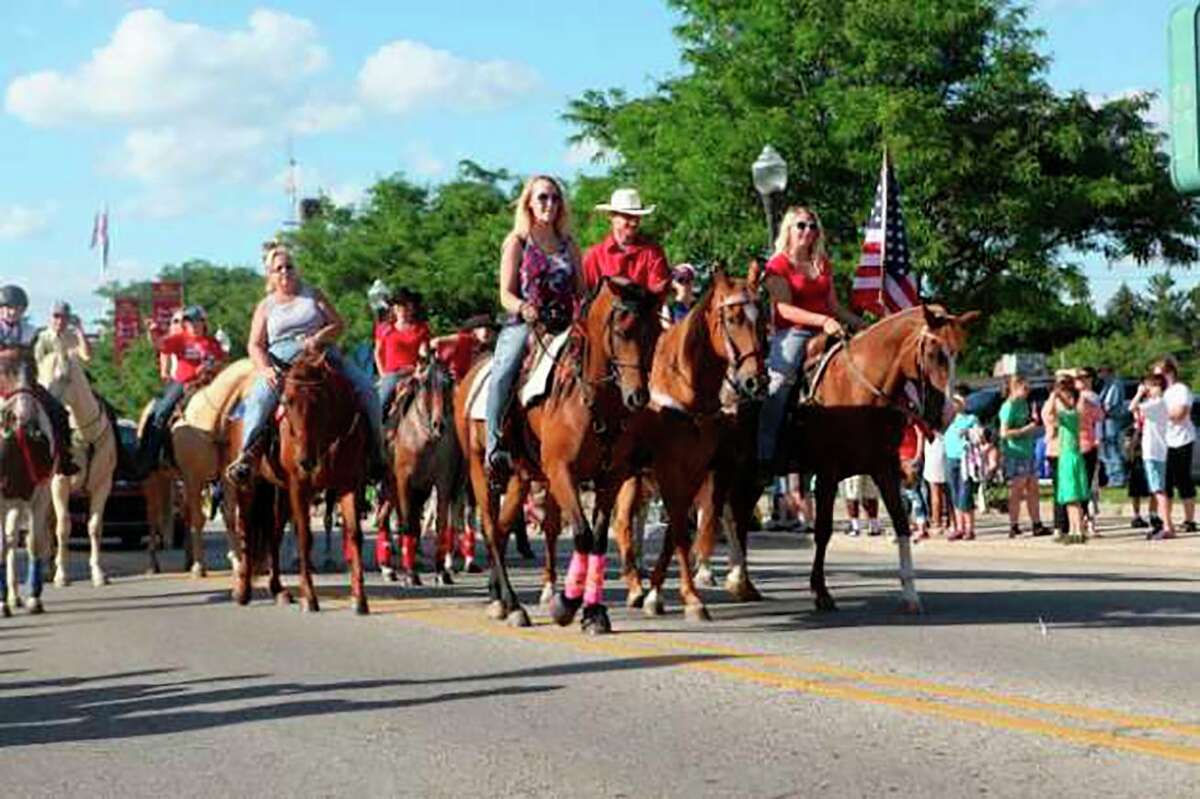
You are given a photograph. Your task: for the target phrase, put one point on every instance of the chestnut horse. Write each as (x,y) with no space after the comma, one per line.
(577,432)
(425,456)
(711,359)
(323,438)
(897,371)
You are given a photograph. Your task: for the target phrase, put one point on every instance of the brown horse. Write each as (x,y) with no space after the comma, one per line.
(425,456)
(703,366)
(897,371)
(577,432)
(323,438)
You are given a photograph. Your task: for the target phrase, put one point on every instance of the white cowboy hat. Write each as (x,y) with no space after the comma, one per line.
(626,201)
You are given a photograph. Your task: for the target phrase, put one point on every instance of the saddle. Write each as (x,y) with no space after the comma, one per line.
(398,404)
(815,365)
(545,352)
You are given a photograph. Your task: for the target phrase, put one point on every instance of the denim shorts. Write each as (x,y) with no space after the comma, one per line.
(1156,476)
(962,492)
(1016,468)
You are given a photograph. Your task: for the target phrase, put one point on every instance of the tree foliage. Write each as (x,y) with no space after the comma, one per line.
(1001,175)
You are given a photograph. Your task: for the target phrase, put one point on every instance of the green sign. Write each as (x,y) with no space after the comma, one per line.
(1184,79)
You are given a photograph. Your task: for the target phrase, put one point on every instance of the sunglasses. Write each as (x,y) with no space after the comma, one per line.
(546,198)
(802,226)
(279,270)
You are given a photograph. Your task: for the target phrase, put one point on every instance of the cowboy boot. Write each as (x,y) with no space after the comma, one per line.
(241,470)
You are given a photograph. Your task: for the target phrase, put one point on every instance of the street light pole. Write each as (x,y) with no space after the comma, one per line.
(769,172)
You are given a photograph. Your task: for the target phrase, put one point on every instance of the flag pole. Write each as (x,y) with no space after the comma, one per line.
(883,230)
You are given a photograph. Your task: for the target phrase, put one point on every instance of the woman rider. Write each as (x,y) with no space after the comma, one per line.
(799,278)
(540,283)
(400,344)
(292,319)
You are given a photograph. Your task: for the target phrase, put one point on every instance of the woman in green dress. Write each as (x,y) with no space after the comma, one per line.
(1073,489)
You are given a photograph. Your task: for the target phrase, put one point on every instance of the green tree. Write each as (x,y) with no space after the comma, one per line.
(1001,175)
(1124,308)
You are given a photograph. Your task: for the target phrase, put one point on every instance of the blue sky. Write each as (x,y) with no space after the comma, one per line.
(178,114)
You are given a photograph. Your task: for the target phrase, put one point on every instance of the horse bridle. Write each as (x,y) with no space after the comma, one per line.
(924,336)
(734,357)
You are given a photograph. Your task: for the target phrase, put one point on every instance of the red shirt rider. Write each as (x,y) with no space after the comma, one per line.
(811,294)
(624,252)
(192,353)
(401,347)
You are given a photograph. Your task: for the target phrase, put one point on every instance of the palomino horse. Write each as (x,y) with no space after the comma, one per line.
(897,371)
(715,350)
(577,432)
(323,440)
(95,446)
(198,441)
(425,457)
(26,462)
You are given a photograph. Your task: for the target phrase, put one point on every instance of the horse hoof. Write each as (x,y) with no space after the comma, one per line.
(704,578)
(154,568)
(410,580)
(696,611)
(443,578)
(518,618)
(18,602)
(309,605)
(825,603)
(34,606)
(911,607)
(240,597)
(743,591)
(653,604)
(595,620)
(360,607)
(389,574)
(61,580)
(496,610)
(547,595)
(563,610)
(283,599)
(99,578)
(473,568)
(5,613)
(635,599)
(197,571)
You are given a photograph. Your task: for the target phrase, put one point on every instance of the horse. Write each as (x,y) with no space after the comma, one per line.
(712,356)
(26,462)
(426,459)
(896,372)
(96,451)
(322,444)
(198,439)
(577,432)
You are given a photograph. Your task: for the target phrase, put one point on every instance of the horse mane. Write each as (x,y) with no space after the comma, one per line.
(684,337)
(208,405)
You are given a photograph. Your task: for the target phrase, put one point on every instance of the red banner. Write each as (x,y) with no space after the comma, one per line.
(166,297)
(127,324)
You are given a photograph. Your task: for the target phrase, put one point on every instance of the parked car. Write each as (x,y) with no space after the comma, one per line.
(125,511)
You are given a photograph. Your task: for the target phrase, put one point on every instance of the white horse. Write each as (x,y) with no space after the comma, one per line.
(26,461)
(94,445)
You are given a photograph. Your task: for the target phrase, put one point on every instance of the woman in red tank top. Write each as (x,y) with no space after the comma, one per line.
(803,302)
(401,344)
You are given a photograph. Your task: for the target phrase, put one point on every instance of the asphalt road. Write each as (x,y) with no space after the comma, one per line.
(1036,671)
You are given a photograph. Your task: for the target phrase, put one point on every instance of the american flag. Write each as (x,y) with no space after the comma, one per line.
(100,238)
(884,282)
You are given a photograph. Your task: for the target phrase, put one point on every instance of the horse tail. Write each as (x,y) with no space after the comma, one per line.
(260,526)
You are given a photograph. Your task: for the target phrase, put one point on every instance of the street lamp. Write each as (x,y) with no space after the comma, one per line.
(769,171)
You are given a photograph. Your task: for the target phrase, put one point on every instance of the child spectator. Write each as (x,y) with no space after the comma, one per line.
(1150,407)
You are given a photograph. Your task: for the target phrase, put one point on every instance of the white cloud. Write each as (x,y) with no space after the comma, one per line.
(22,221)
(588,152)
(404,75)
(315,116)
(154,70)
(343,194)
(1156,114)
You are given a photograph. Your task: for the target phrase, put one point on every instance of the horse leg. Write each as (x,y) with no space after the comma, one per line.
(13,596)
(279,591)
(551,530)
(889,492)
(194,519)
(409,505)
(96,501)
(60,490)
(743,495)
(566,603)
(36,549)
(385,549)
(243,577)
(301,523)
(826,490)
(444,528)
(625,510)
(352,538)
(709,501)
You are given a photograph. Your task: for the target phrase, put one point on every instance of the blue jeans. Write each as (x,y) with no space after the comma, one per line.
(388,383)
(262,400)
(166,403)
(784,365)
(1111,457)
(511,344)
(915,497)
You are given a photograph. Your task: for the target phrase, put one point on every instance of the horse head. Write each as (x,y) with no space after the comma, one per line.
(26,448)
(735,329)
(433,400)
(941,338)
(621,325)
(304,398)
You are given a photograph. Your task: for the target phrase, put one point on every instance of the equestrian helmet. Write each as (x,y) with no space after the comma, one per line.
(13,297)
(194,313)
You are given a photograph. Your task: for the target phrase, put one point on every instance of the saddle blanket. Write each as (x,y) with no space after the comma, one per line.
(533,389)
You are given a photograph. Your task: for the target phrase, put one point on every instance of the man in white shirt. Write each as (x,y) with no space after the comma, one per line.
(1181,436)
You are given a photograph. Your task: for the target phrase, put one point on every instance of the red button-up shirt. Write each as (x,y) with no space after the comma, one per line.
(642,262)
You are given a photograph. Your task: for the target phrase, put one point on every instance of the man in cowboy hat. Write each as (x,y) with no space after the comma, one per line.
(624,252)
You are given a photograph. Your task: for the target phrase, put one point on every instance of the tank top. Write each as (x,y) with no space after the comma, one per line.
(548,283)
(811,294)
(294,319)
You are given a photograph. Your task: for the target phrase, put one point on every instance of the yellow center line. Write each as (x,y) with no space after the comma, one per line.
(638,645)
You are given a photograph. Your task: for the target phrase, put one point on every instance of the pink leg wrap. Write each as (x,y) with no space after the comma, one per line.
(466,544)
(383,550)
(445,543)
(594,593)
(577,574)
(408,552)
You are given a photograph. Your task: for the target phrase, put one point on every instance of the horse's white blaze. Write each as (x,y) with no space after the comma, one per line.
(664,400)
